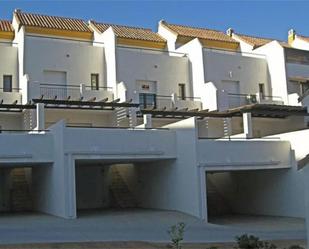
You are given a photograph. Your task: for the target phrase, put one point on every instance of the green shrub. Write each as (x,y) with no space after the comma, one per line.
(176,234)
(251,242)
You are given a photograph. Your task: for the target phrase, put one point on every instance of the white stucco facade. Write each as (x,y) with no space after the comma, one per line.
(79,117)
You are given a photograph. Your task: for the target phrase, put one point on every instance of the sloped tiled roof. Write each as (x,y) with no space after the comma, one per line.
(129,32)
(254,41)
(259,41)
(6,26)
(51,22)
(201,33)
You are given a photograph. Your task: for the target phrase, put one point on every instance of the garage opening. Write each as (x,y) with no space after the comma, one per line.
(16,190)
(102,186)
(253,196)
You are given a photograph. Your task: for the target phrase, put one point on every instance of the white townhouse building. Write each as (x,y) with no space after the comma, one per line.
(98,116)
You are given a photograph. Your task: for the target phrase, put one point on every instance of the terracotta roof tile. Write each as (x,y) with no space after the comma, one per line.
(259,41)
(130,32)
(6,26)
(201,33)
(51,22)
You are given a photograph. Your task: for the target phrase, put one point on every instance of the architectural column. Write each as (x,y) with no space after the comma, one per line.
(247,122)
(40,116)
(174,99)
(82,89)
(147,120)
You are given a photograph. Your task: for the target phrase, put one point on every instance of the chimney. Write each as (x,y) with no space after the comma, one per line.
(230,32)
(291,36)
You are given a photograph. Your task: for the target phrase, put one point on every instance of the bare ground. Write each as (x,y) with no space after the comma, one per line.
(139,245)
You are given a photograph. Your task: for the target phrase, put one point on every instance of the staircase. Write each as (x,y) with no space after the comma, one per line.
(120,193)
(121,117)
(216,203)
(20,197)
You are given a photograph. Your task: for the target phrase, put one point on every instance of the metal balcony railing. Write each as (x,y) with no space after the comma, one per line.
(236,100)
(61,91)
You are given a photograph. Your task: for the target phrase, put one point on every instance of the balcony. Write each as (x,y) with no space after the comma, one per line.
(169,102)
(69,92)
(234,100)
(9,97)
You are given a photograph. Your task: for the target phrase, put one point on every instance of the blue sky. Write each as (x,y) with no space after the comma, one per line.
(261,18)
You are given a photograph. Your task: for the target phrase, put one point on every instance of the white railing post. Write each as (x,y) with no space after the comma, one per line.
(247,122)
(82,89)
(40,116)
(147,120)
(174,99)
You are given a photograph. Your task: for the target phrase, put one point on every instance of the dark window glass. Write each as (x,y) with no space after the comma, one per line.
(182,91)
(94,81)
(7,83)
(147,100)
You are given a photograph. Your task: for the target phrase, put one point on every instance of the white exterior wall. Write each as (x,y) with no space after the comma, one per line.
(300,44)
(174,185)
(299,142)
(167,71)
(254,154)
(9,63)
(169,36)
(228,66)
(276,68)
(77,59)
(194,50)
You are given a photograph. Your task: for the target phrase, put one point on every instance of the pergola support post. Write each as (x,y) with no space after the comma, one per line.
(247,122)
(147,120)
(40,117)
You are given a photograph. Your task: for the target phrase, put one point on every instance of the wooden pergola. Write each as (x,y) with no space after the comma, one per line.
(81,104)
(256,110)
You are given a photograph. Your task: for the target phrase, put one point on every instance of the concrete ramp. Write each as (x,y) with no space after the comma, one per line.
(299,141)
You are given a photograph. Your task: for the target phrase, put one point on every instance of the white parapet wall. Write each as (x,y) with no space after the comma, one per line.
(15,148)
(255,154)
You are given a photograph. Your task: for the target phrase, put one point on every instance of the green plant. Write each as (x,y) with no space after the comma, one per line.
(176,233)
(251,242)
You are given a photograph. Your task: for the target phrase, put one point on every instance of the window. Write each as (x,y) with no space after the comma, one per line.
(147,100)
(182,91)
(262,90)
(94,81)
(7,83)
(304,87)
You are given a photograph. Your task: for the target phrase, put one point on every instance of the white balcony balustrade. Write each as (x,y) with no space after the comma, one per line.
(171,102)
(68,92)
(9,96)
(234,100)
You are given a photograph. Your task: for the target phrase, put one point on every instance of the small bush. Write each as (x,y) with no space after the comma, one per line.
(176,233)
(251,242)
